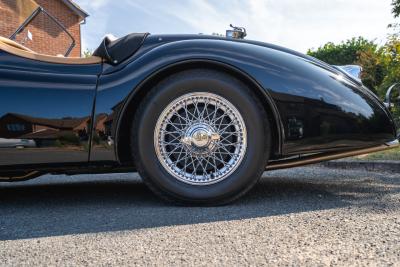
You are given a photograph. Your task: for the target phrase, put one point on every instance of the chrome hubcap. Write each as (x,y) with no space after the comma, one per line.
(200,138)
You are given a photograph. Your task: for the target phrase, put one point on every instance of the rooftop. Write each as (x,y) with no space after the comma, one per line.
(76,8)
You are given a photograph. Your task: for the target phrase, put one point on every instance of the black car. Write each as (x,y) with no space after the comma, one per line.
(199,117)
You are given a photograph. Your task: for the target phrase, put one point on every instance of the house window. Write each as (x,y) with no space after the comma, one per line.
(16,127)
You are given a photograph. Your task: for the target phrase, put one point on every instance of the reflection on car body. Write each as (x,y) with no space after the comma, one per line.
(16,143)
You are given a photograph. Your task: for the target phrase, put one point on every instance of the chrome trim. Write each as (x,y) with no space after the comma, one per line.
(393,144)
(200,138)
(26,176)
(388,103)
(317,158)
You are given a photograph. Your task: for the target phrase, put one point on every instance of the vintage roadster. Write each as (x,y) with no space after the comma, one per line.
(199,117)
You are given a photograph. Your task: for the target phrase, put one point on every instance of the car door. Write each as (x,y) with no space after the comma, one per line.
(45,111)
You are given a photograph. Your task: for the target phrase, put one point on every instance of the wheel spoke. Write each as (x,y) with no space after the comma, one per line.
(214,134)
(171,142)
(187,122)
(173,151)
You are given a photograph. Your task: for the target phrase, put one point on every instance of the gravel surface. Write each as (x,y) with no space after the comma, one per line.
(306,216)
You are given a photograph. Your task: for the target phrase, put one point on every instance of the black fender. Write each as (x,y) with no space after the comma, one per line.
(316,107)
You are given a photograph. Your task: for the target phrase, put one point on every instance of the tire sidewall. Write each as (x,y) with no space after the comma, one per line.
(253,162)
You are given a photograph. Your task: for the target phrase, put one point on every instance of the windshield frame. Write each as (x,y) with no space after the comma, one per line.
(35,13)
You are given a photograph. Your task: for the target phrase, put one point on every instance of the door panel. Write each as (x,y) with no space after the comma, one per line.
(45,111)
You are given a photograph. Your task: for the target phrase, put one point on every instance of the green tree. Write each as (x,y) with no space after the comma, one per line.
(344,53)
(391,60)
(87,53)
(396,8)
(374,68)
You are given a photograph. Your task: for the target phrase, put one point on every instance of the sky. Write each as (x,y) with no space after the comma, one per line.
(296,24)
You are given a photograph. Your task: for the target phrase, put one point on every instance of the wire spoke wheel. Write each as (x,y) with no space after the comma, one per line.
(200,138)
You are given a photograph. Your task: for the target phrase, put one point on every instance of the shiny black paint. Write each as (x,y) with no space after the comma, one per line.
(316,107)
(319,107)
(36,100)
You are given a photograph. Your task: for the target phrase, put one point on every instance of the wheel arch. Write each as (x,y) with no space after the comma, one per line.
(131,104)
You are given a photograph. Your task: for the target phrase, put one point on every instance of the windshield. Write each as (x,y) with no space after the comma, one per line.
(39,30)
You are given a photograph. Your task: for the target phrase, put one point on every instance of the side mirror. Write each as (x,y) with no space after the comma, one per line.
(392,96)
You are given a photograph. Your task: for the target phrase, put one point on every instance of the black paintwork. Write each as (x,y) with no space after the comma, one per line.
(42,97)
(315,107)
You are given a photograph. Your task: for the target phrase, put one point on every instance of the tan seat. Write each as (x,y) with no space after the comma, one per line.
(17,49)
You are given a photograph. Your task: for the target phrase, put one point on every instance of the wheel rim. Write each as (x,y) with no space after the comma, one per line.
(200,138)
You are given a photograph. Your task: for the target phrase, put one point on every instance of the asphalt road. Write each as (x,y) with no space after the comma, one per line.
(305,216)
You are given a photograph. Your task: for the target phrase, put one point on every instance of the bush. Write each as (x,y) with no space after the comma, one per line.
(96,139)
(69,139)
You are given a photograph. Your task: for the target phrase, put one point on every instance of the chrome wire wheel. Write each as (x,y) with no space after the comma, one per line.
(200,138)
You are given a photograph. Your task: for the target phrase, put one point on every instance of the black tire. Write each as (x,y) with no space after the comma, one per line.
(246,175)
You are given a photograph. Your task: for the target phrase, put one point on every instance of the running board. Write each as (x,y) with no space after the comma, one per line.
(317,158)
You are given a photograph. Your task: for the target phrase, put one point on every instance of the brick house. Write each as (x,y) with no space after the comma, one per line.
(47,131)
(22,126)
(48,37)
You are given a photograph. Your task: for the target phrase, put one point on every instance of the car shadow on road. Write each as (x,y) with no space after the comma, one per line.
(116,203)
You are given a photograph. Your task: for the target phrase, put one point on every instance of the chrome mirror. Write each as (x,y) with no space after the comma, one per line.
(392,96)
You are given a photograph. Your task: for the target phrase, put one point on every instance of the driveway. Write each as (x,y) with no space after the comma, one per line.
(302,216)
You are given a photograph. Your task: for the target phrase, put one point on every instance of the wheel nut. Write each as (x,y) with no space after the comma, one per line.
(215,137)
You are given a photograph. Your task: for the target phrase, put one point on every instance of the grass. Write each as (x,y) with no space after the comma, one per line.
(392,154)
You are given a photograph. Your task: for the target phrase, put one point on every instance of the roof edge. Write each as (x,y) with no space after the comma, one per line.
(77,9)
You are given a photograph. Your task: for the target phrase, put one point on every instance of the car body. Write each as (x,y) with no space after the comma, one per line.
(80,110)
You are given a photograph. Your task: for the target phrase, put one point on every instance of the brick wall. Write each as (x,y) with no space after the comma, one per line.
(48,37)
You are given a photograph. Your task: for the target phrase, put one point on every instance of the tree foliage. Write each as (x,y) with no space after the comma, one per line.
(87,53)
(344,53)
(396,8)
(391,61)
(374,69)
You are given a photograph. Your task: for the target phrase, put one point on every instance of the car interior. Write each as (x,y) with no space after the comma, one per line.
(17,49)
